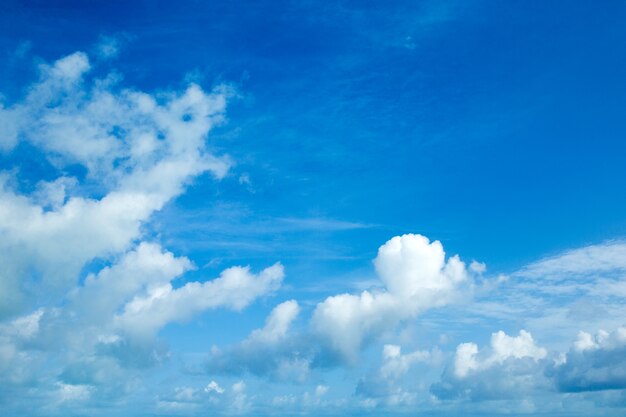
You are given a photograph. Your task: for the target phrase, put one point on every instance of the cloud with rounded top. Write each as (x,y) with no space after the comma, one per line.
(417,276)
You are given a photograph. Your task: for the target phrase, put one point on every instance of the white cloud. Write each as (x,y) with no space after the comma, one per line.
(593,363)
(112,156)
(594,259)
(235,288)
(69,392)
(503,347)
(138,271)
(108,47)
(417,277)
(393,384)
(268,351)
(214,387)
(414,268)
(556,296)
(240,403)
(395,364)
(277,324)
(110,130)
(321,390)
(465,359)
(140,150)
(344,321)
(510,367)
(522,346)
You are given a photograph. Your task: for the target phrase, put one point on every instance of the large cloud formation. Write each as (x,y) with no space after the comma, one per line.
(110,157)
(417,277)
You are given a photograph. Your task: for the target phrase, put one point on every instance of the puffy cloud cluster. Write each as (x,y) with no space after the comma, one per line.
(396,364)
(139,150)
(510,367)
(594,363)
(111,131)
(82,333)
(387,386)
(503,347)
(236,288)
(416,276)
(110,157)
(515,367)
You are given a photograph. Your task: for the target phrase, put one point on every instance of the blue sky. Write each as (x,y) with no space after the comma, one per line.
(319,208)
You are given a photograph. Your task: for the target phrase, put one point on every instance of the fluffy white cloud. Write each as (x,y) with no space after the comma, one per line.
(510,367)
(503,347)
(138,271)
(112,131)
(344,321)
(110,157)
(396,364)
(139,151)
(277,324)
(414,268)
(214,387)
(235,288)
(417,277)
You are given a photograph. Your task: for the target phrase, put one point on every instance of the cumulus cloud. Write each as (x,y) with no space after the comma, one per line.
(593,363)
(510,367)
(395,363)
(214,387)
(146,267)
(269,351)
(235,288)
(416,276)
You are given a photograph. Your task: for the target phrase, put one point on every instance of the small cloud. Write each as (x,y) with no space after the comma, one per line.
(244,179)
(321,390)
(23,49)
(108,47)
(214,387)
(478,267)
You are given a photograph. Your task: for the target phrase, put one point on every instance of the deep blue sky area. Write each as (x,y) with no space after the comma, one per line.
(497,128)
